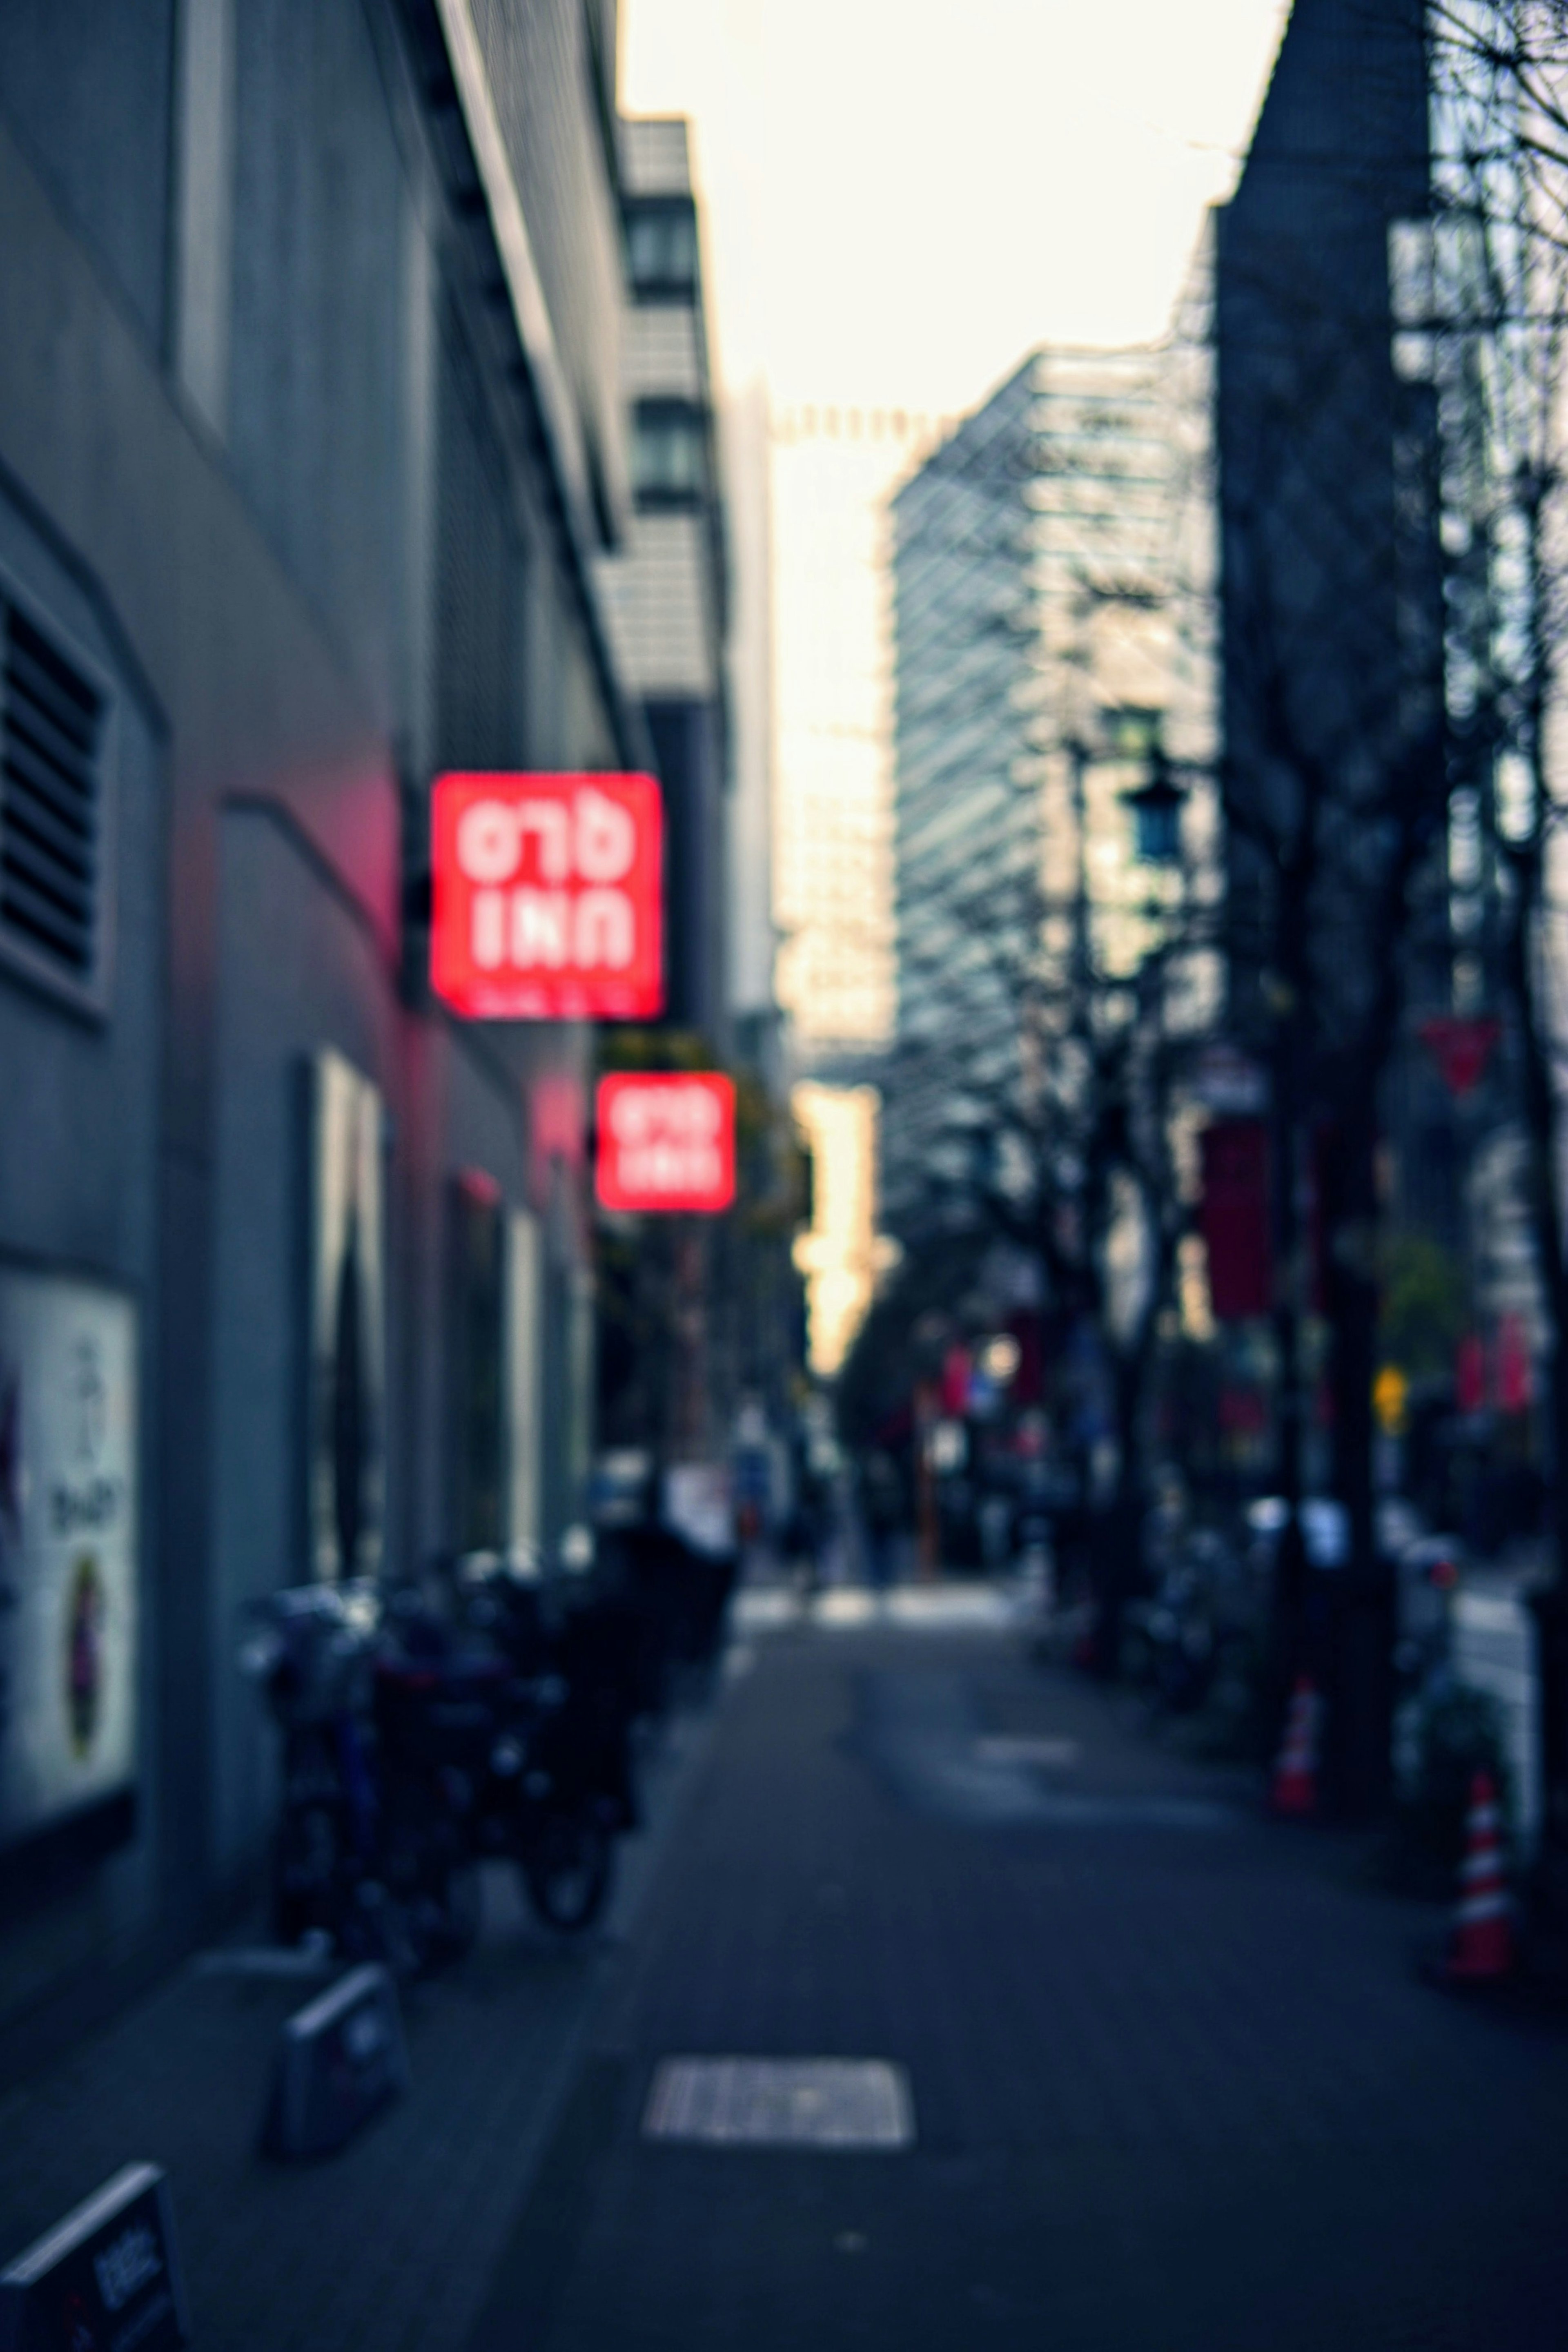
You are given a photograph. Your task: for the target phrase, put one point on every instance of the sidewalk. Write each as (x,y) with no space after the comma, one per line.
(391,2244)
(1173,2081)
(1175,2085)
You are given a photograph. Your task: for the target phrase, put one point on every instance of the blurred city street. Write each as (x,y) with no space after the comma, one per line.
(783,1176)
(1174,2078)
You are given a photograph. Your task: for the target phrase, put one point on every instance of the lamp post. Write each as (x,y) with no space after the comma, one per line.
(1157,806)
(1139,1075)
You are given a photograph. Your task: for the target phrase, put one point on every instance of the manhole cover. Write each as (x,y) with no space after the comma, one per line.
(845,2103)
(1007,1747)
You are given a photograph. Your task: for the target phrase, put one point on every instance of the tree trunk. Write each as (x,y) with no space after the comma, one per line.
(1360,1600)
(1541,1133)
(1119,1532)
(1287,1600)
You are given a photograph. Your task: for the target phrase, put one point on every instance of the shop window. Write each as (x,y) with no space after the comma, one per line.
(669,453)
(346,1497)
(661,251)
(1132,733)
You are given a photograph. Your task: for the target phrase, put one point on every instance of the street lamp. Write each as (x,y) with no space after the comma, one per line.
(1156,807)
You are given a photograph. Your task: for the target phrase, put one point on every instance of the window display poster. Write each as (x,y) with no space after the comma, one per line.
(348,1322)
(68,1548)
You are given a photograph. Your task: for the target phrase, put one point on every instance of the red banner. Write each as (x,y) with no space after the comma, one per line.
(1461,1050)
(546,897)
(957,1369)
(1515,1380)
(667,1141)
(1471,1373)
(1235,1218)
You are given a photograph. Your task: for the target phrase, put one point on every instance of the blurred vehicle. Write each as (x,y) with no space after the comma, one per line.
(1430,1569)
(1202,1625)
(1325,1529)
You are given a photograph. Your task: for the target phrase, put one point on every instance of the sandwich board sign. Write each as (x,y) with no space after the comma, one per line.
(339,2058)
(104,2279)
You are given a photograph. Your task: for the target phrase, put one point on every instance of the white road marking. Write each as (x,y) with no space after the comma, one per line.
(837,2103)
(845,1604)
(761,1609)
(942,1607)
(1007,1747)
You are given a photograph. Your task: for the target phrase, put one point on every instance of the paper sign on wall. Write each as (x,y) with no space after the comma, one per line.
(68,1547)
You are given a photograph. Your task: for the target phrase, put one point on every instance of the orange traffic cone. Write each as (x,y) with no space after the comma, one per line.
(1482,1944)
(1294,1790)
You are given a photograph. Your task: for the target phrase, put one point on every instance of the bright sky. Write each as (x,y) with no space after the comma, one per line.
(901,199)
(904,195)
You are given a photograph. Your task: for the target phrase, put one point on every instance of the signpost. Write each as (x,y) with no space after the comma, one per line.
(104,2279)
(667,1141)
(546,897)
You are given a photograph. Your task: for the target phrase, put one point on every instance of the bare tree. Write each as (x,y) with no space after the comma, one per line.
(1054,1132)
(1327,596)
(1486,304)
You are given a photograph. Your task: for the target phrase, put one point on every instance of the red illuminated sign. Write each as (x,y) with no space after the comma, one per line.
(667,1141)
(547,897)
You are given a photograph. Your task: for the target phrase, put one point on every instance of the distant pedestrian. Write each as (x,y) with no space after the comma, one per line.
(883,1503)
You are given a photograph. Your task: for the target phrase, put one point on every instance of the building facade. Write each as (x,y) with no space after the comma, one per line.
(1329,581)
(311,441)
(1334,751)
(1032,671)
(668,593)
(661,1342)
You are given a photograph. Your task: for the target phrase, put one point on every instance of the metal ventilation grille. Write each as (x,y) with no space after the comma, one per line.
(51,723)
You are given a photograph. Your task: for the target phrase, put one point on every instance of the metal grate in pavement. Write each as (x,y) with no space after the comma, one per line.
(838,2103)
(1008,1747)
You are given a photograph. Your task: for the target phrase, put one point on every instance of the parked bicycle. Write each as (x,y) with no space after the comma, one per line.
(416,1746)
(367,1856)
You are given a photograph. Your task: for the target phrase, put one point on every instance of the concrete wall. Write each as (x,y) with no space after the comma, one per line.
(88,91)
(78,1119)
(301,969)
(238,466)
(318,424)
